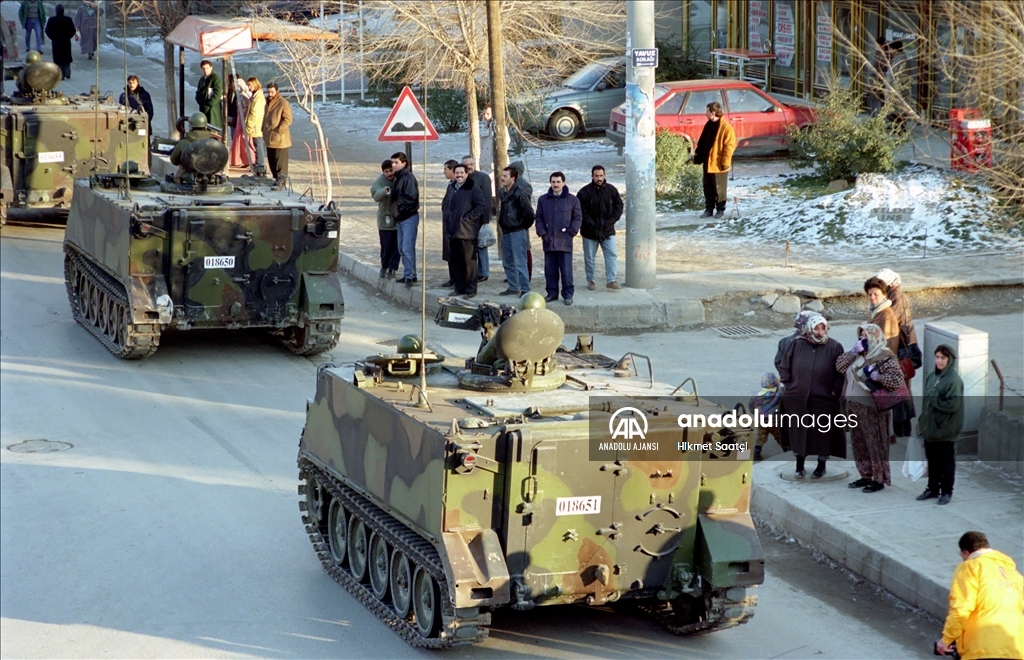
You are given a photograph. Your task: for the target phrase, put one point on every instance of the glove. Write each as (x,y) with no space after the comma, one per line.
(871,371)
(861,346)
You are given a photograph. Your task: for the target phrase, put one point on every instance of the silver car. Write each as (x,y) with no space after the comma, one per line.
(583,102)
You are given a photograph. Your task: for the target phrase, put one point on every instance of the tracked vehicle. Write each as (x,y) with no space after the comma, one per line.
(499,489)
(49,139)
(143,256)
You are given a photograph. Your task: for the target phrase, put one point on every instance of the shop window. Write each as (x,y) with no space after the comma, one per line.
(700,32)
(671,105)
(787,47)
(758,24)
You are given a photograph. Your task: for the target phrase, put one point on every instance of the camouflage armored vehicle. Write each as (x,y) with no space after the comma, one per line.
(143,256)
(49,139)
(499,490)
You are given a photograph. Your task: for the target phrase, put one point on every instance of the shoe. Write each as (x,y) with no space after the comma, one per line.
(591,286)
(467,296)
(892,439)
(509,292)
(799,474)
(926,495)
(448,284)
(568,301)
(551,299)
(819,472)
(90,56)
(482,279)
(383,272)
(873,487)
(757,453)
(945,498)
(860,483)
(707,214)
(390,275)
(400,280)
(720,213)
(613,285)
(409,283)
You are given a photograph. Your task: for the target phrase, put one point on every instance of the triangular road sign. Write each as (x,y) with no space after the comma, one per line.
(407,121)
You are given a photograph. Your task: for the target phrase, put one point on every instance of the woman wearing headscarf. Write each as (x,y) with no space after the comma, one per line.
(908,351)
(807,370)
(942,418)
(868,366)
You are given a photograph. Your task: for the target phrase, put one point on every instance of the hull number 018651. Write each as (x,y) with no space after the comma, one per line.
(577,506)
(218,262)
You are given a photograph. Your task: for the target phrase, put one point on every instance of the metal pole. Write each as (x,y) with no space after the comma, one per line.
(341,36)
(181,85)
(362,56)
(323,56)
(641,241)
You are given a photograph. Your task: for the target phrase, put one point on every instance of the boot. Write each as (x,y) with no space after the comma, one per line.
(819,471)
(799,467)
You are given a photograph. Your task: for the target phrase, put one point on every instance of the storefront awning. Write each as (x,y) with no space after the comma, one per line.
(212,36)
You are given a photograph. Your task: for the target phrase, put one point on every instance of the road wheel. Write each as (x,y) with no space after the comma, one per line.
(401,584)
(358,548)
(83,296)
(337,532)
(378,566)
(94,305)
(112,318)
(564,125)
(316,499)
(426,603)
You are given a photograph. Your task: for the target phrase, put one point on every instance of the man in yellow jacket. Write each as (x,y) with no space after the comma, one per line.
(986,604)
(714,151)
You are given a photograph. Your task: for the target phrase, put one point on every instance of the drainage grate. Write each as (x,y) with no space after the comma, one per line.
(739,331)
(38,446)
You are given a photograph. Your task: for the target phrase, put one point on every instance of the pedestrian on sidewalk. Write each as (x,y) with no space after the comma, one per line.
(714,151)
(449,175)
(515,218)
(405,209)
(254,127)
(908,353)
(209,92)
(798,322)
(238,95)
(387,230)
(808,372)
(136,98)
(277,119)
(986,601)
(60,30)
(32,16)
(942,419)
(880,312)
(87,20)
(866,367)
(558,220)
(482,181)
(602,207)
(766,403)
(524,183)
(465,214)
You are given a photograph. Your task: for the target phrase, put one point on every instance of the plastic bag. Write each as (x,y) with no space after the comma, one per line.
(486,238)
(916,465)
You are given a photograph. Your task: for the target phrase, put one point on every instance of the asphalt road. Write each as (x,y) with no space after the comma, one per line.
(171,528)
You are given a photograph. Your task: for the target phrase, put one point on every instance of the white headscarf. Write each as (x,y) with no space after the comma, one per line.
(890,277)
(812,321)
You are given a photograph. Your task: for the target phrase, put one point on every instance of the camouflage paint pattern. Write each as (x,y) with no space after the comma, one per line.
(285,255)
(48,144)
(664,528)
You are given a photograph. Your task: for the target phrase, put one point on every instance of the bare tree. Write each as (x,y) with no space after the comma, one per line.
(444,43)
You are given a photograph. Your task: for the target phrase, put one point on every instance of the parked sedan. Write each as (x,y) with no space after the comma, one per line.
(582,102)
(760,118)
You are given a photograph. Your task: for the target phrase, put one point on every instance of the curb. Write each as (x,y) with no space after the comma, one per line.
(858,548)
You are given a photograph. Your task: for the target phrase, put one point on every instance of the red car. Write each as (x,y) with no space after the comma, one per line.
(760,119)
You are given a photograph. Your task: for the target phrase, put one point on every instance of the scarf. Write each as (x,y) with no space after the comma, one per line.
(875,309)
(812,321)
(801,318)
(890,277)
(877,351)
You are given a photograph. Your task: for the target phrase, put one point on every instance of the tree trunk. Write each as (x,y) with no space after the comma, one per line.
(171,93)
(322,153)
(474,116)
(499,141)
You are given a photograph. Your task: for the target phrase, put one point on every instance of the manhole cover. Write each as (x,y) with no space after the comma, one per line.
(39,446)
(739,331)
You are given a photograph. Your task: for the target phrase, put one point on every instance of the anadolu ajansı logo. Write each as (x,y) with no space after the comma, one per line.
(628,426)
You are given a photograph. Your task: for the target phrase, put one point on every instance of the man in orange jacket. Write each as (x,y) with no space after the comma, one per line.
(714,151)
(986,604)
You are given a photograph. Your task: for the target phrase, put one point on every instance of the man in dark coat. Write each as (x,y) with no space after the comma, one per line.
(208,93)
(405,209)
(481,180)
(515,218)
(813,387)
(464,213)
(602,208)
(559,218)
(136,98)
(449,176)
(60,30)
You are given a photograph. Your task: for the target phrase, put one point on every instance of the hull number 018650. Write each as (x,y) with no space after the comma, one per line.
(218,262)
(577,506)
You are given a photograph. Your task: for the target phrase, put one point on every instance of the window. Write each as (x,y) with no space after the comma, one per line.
(697,102)
(671,105)
(747,100)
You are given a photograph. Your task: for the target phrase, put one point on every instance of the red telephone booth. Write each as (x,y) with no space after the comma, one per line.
(970,140)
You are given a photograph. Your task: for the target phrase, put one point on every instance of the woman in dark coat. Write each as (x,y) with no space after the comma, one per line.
(60,30)
(868,366)
(942,418)
(808,371)
(138,99)
(908,348)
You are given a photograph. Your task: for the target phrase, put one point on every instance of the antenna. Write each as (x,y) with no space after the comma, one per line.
(125,185)
(423,402)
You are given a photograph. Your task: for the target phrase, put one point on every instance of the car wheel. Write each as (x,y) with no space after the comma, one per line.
(564,125)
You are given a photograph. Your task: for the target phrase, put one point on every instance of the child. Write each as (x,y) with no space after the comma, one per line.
(766,402)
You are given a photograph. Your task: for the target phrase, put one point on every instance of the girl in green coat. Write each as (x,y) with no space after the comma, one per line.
(940,424)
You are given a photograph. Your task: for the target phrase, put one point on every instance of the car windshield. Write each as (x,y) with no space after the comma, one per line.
(586,77)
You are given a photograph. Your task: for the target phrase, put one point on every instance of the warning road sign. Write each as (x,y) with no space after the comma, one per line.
(407,121)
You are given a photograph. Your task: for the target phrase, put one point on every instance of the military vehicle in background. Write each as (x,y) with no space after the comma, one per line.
(143,256)
(433,511)
(49,139)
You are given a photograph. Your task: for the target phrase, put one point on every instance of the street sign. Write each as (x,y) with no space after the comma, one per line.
(407,121)
(645,57)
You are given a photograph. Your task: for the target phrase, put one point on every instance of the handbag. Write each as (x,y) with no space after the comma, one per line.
(486,238)
(910,359)
(916,465)
(886,399)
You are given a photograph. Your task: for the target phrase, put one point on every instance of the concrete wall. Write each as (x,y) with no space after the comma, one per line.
(1001,439)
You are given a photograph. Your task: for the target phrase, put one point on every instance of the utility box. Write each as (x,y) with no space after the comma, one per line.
(971,348)
(970,140)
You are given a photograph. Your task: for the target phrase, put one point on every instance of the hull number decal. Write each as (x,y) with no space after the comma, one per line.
(575,506)
(218,262)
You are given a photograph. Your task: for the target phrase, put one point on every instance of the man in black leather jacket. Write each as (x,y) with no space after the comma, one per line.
(515,218)
(405,209)
(602,208)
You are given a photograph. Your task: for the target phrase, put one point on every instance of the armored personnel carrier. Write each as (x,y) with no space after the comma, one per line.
(506,486)
(49,139)
(143,256)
